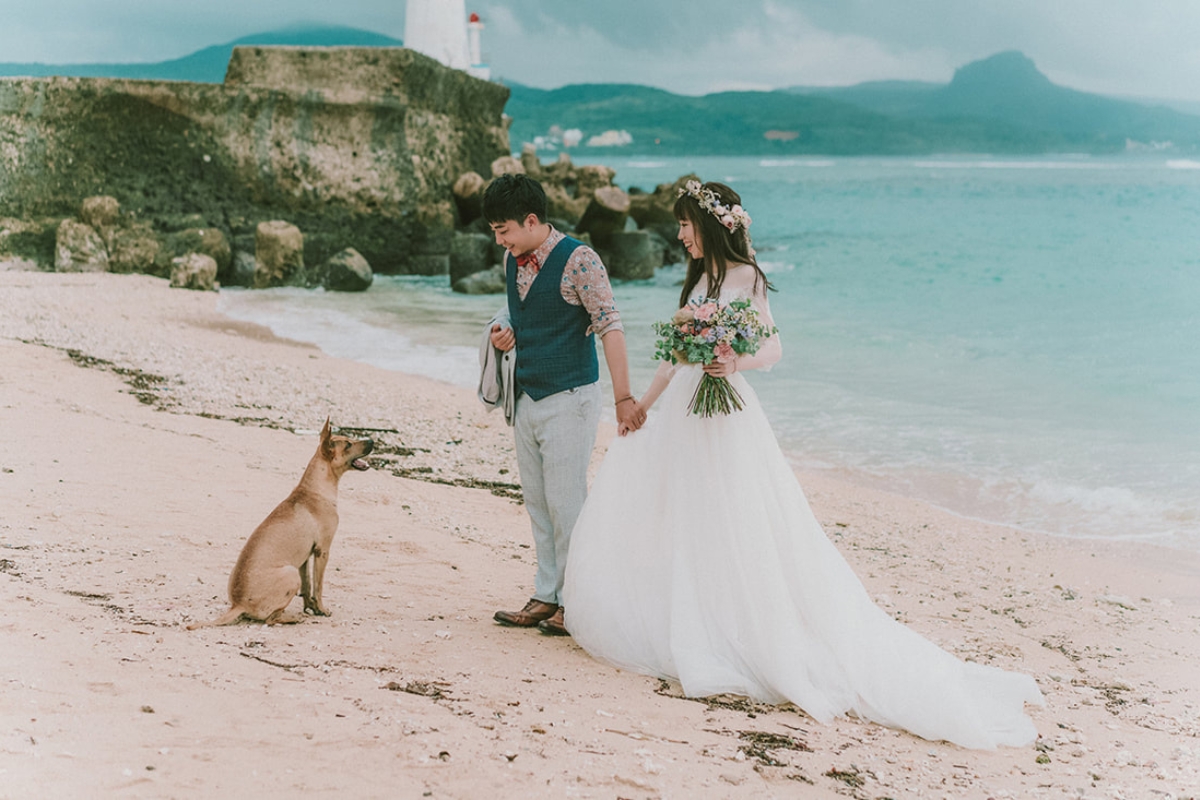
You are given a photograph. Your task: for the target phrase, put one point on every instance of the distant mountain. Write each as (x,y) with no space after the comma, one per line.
(885,97)
(208,65)
(729,122)
(1007,88)
(1001,105)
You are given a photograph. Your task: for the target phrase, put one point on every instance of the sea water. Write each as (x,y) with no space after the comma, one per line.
(1015,340)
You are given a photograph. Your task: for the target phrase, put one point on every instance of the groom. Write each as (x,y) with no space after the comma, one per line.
(559,299)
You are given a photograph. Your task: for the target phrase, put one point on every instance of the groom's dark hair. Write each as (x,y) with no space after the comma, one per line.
(514,197)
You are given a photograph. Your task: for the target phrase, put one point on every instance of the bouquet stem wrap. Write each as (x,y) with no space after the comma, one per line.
(715,395)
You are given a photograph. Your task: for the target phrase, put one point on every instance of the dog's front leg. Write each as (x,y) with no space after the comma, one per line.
(310,586)
(306,591)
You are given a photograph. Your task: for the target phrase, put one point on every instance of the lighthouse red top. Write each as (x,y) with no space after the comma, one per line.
(474,17)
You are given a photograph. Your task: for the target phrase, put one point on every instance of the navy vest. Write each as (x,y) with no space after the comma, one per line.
(555,352)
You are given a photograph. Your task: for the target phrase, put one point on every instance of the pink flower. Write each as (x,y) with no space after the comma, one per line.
(683,315)
(706,311)
(724,353)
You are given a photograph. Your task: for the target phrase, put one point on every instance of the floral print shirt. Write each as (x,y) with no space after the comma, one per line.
(584,283)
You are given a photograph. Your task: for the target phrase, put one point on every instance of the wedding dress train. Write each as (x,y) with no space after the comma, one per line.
(697,557)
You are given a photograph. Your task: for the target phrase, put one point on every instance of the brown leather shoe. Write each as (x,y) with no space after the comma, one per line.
(534,612)
(554,626)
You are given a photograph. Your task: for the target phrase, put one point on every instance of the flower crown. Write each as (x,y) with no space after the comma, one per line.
(732,217)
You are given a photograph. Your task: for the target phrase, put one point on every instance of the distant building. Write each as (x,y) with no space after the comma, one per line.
(611,139)
(474,31)
(440,29)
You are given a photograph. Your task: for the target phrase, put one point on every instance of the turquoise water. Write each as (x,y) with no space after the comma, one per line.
(1014,340)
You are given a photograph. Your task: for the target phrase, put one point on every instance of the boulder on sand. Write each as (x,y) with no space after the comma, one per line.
(79,248)
(348,271)
(278,253)
(194,271)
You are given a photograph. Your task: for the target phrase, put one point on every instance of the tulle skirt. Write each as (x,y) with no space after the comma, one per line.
(697,558)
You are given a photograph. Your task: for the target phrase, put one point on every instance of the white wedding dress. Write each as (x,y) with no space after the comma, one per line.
(697,557)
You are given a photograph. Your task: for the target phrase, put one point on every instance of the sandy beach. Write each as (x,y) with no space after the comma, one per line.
(145,436)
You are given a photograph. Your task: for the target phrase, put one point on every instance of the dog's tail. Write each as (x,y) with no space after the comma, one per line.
(228,618)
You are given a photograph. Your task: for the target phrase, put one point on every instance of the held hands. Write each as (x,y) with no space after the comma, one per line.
(630,415)
(503,338)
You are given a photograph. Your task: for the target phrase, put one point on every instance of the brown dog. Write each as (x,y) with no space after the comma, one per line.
(288,552)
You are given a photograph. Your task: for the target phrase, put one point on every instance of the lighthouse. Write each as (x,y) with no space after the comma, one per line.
(439,29)
(474,31)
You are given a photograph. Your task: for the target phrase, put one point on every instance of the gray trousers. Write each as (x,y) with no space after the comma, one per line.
(555,437)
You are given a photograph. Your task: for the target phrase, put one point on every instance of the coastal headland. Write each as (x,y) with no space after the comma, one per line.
(375,158)
(146,435)
(358,147)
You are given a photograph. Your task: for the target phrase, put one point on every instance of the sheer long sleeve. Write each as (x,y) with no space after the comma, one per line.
(662,377)
(770,350)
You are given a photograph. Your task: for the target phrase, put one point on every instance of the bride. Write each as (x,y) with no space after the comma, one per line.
(697,558)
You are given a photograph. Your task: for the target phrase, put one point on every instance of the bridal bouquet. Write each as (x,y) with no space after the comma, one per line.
(704,331)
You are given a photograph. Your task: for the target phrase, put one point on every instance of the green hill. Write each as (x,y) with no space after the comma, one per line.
(752,123)
(1000,105)
(1008,89)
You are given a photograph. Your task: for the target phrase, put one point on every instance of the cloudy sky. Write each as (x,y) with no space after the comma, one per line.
(1144,48)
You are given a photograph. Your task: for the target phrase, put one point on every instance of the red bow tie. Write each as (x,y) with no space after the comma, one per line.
(529,259)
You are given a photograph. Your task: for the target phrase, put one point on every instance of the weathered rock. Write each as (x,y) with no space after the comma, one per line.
(561,172)
(648,210)
(134,248)
(347,143)
(507,165)
(531,162)
(591,177)
(490,281)
(194,271)
(470,253)
(605,214)
(429,264)
(560,204)
(210,241)
(348,271)
(431,246)
(672,249)
(79,248)
(241,273)
(657,210)
(100,211)
(278,254)
(632,255)
(29,239)
(468,196)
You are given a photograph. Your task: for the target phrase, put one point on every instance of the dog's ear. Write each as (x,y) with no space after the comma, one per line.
(326,440)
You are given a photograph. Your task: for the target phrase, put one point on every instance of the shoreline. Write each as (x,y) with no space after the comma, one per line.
(958,492)
(130,503)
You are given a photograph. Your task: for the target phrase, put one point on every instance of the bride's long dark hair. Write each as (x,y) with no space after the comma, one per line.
(721,246)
